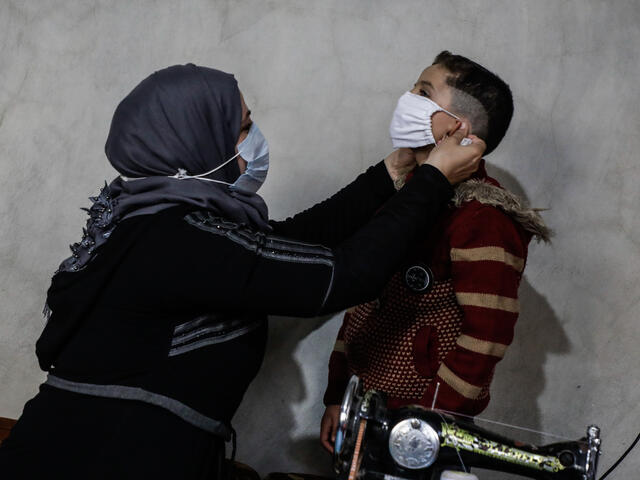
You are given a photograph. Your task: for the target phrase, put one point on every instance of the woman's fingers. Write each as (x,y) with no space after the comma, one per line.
(457,162)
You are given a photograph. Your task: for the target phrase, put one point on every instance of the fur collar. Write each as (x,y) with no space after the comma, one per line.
(488,194)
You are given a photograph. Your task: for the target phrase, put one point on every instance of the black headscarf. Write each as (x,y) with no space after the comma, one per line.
(186,118)
(183,117)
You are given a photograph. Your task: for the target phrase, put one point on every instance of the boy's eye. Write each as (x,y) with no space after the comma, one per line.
(423,93)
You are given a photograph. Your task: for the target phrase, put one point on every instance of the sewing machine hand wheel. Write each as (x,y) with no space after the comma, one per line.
(347,423)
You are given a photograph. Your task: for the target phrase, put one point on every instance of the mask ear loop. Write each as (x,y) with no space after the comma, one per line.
(199,176)
(182,174)
(449,113)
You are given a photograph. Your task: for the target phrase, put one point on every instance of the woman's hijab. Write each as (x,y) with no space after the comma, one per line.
(183,118)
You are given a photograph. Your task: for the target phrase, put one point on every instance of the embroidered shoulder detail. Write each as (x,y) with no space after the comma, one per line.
(488,194)
(100,225)
(263,244)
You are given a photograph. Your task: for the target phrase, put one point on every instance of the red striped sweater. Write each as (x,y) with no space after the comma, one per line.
(405,343)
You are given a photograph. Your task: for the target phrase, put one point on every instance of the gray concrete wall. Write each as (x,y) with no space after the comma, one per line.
(322,79)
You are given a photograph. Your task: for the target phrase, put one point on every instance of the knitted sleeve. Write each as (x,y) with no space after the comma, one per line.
(488,255)
(338,368)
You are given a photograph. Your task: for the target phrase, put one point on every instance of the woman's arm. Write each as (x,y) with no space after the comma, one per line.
(337,218)
(291,278)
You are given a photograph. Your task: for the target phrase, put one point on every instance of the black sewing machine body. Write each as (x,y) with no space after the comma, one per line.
(408,443)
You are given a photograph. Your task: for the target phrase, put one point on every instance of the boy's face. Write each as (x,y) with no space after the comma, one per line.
(432,84)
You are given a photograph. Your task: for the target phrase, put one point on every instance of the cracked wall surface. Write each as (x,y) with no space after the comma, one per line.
(322,79)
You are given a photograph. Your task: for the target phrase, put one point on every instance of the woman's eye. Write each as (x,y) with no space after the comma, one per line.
(423,93)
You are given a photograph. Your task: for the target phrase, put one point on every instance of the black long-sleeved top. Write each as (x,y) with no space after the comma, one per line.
(177,301)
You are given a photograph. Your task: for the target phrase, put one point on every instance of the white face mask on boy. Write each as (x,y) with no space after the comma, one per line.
(411,122)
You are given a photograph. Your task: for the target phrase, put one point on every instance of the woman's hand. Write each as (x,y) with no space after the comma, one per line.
(456,162)
(399,163)
(329,426)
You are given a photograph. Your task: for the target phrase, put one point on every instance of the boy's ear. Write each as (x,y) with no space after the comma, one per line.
(456,126)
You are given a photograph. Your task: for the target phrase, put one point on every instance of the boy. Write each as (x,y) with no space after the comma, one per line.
(443,321)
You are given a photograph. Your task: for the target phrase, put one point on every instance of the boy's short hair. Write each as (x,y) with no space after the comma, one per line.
(493,94)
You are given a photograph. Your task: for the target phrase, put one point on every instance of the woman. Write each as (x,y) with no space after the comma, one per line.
(157,322)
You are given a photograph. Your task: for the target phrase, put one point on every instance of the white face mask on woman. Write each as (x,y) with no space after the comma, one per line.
(411,122)
(255,151)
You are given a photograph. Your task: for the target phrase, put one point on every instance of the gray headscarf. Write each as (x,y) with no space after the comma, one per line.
(184,117)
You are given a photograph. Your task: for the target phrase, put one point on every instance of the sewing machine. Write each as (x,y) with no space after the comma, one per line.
(410,443)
